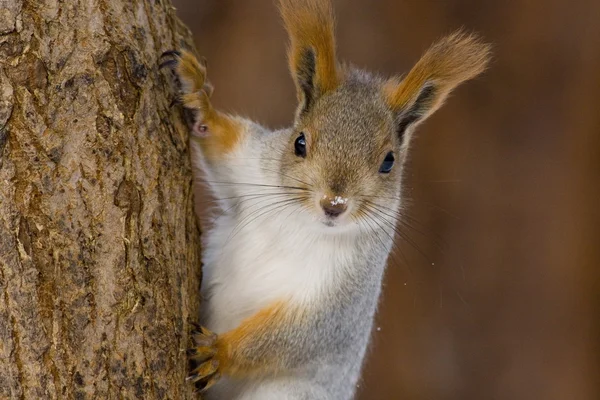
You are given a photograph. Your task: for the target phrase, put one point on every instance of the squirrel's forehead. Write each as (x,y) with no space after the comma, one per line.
(363,125)
(350,145)
(351,119)
(352,107)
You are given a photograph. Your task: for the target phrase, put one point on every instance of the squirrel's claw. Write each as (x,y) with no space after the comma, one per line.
(206,373)
(202,385)
(197,326)
(174,55)
(203,337)
(193,89)
(203,371)
(202,353)
(171,53)
(175,102)
(168,64)
(171,64)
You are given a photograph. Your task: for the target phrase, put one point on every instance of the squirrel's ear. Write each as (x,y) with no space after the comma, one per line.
(311,53)
(449,62)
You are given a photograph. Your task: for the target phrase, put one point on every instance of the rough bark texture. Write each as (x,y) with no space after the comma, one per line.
(99,247)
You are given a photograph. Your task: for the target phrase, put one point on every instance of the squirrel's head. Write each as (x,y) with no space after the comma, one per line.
(352,130)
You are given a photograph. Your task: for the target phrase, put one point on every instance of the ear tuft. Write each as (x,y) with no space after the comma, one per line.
(310,25)
(449,62)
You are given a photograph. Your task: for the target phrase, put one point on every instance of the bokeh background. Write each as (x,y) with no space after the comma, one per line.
(496,294)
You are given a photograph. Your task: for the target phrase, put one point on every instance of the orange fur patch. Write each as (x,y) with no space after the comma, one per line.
(191,73)
(241,352)
(449,62)
(310,24)
(223,132)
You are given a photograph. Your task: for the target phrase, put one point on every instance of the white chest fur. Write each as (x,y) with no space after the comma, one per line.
(266,261)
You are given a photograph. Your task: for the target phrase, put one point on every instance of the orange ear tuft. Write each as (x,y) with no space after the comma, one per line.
(310,25)
(449,62)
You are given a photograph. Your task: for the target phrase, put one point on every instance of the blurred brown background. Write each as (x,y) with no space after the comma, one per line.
(500,299)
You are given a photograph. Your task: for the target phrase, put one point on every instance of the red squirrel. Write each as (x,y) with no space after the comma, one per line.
(293,265)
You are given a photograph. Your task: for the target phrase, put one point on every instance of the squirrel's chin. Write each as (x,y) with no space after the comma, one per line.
(335,226)
(319,223)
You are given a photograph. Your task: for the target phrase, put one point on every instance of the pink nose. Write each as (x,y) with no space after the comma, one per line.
(334,206)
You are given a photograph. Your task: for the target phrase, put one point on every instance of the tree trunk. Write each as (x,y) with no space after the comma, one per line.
(99,246)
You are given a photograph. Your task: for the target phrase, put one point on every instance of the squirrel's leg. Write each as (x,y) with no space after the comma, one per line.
(259,346)
(218,133)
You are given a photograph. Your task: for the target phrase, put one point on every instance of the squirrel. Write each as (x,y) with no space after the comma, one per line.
(293,265)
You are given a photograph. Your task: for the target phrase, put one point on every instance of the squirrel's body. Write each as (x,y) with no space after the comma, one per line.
(294,260)
(252,261)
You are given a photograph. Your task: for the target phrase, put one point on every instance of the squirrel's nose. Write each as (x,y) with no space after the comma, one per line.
(334,206)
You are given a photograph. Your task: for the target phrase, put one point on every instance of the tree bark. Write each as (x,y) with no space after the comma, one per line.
(99,245)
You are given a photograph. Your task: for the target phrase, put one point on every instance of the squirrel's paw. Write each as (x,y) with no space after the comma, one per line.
(206,373)
(194,89)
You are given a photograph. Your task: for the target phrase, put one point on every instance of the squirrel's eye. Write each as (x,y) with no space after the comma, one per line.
(300,145)
(387,164)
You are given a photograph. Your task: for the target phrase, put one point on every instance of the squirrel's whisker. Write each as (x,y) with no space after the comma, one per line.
(245,221)
(402,219)
(263,199)
(245,197)
(401,233)
(253,184)
(395,247)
